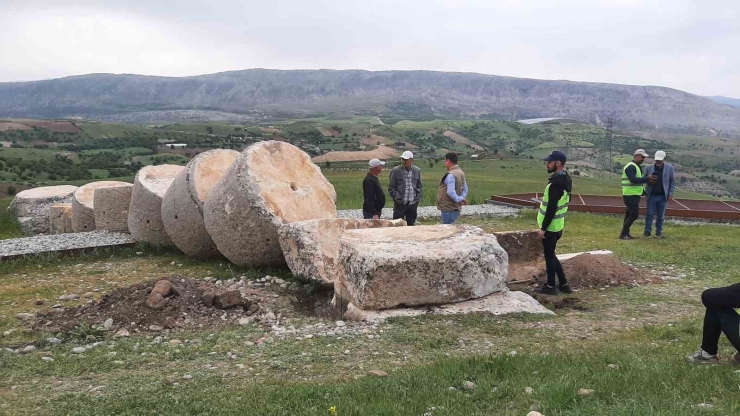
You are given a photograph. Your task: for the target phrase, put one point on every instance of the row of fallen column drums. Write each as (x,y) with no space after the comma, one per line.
(270,205)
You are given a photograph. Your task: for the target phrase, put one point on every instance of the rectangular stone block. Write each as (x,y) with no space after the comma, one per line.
(311,248)
(426,265)
(60,218)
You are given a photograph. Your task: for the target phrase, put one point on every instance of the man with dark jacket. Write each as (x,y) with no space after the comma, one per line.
(551,220)
(405,189)
(372,208)
(659,194)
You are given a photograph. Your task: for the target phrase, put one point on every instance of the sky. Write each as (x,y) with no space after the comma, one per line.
(683,44)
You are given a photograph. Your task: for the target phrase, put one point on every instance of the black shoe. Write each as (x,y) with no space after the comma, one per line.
(646,235)
(547,290)
(565,288)
(626,237)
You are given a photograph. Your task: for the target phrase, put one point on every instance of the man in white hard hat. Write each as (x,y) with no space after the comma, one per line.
(659,193)
(633,184)
(405,189)
(374,197)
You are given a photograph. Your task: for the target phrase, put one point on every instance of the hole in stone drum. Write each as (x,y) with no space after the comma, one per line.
(293,186)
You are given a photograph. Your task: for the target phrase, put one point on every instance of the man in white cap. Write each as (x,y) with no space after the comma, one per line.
(373,193)
(632,189)
(659,193)
(406,189)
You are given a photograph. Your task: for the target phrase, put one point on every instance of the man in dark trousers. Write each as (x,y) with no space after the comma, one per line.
(372,208)
(719,317)
(659,194)
(632,190)
(551,220)
(405,189)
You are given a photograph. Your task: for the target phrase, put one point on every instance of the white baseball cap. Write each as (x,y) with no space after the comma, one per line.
(374,163)
(407,155)
(659,155)
(641,152)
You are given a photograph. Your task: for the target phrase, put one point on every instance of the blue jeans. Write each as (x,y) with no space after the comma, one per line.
(656,206)
(449,217)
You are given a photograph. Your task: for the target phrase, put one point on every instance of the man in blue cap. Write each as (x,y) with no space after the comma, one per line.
(551,220)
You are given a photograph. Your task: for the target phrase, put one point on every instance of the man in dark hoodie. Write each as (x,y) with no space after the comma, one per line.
(551,220)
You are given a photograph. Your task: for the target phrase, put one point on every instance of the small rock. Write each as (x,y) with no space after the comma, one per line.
(340,323)
(245,321)
(78,350)
(57,306)
(47,359)
(28,349)
(702,406)
(249,344)
(175,342)
(346,352)
(528,390)
(228,299)
(653,305)
(270,316)
(26,316)
(39,301)
(155,328)
(378,373)
(533,413)
(122,333)
(585,392)
(169,322)
(208,296)
(108,323)
(54,341)
(469,385)
(88,295)
(252,309)
(513,353)
(69,297)
(96,389)
(155,301)
(612,366)
(451,389)
(187,377)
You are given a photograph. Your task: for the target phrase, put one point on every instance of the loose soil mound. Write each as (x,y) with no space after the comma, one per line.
(588,271)
(127,306)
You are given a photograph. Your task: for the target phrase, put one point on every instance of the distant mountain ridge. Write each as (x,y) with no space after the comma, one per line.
(265,92)
(735,102)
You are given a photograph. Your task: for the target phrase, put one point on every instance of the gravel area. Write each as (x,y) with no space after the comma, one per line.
(61,243)
(433,212)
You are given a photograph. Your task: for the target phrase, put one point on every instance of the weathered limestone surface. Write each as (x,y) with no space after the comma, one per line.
(426,265)
(60,218)
(111,208)
(145,212)
(31,207)
(270,184)
(83,206)
(499,303)
(311,248)
(182,205)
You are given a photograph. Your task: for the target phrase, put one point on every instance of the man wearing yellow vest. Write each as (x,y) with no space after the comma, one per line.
(632,190)
(551,220)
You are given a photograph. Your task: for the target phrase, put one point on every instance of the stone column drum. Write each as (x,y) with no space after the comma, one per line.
(31,207)
(60,218)
(83,207)
(182,205)
(426,265)
(270,184)
(145,212)
(111,208)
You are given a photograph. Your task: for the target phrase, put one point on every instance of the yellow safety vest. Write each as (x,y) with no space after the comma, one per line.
(629,188)
(558,221)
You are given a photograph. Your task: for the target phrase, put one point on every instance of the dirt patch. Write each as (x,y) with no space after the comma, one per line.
(328,132)
(270,130)
(18,188)
(57,126)
(462,139)
(383,152)
(128,309)
(6,126)
(588,271)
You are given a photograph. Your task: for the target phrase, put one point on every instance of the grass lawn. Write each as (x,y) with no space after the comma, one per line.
(9,227)
(627,345)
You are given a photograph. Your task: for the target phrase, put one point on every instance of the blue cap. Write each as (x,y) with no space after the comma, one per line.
(555,156)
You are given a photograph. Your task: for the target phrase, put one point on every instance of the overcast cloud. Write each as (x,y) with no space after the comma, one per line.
(683,44)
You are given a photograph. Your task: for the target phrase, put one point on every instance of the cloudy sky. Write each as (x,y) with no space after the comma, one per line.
(684,44)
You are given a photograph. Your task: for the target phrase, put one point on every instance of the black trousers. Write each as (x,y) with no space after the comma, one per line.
(632,202)
(552,264)
(407,212)
(721,317)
